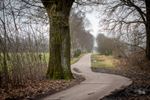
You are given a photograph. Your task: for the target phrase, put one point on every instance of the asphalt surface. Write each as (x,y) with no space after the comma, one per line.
(95,86)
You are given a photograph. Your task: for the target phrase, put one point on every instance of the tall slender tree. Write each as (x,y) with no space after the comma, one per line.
(147,2)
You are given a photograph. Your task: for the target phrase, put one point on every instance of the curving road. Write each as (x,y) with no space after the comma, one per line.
(95,86)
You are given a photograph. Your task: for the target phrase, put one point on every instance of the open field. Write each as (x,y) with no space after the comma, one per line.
(44,57)
(32,68)
(103,61)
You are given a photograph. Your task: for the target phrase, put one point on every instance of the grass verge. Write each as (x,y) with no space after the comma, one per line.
(138,90)
(103,61)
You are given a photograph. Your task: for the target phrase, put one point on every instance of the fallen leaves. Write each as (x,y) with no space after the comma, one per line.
(35,88)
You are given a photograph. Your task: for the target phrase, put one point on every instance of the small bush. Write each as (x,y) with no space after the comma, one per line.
(77,53)
(138,60)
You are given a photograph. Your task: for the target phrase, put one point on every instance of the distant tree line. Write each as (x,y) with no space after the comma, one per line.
(81,39)
(111,46)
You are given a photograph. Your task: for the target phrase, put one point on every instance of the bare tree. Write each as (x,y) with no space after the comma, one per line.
(128,17)
(21,56)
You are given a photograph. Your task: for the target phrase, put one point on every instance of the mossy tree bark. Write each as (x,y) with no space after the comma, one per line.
(66,43)
(66,51)
(59,61)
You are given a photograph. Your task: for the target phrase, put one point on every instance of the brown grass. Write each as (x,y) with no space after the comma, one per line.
(104,61)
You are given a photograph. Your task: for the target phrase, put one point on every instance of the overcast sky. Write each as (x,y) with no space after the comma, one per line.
(95,17)
(94,20)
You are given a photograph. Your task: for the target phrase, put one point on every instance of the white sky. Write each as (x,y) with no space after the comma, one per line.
(95,18)
(94,21)
(92,17)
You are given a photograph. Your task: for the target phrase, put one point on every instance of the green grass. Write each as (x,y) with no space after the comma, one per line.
(103,61)
(45,56)
(25,57)
(29,56)
(73,60)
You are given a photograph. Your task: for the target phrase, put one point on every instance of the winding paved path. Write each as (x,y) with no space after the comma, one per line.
(96,85)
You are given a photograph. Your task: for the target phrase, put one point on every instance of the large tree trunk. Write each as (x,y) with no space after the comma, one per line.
(148,29)
(55,70)
(59,61)
(66,44)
